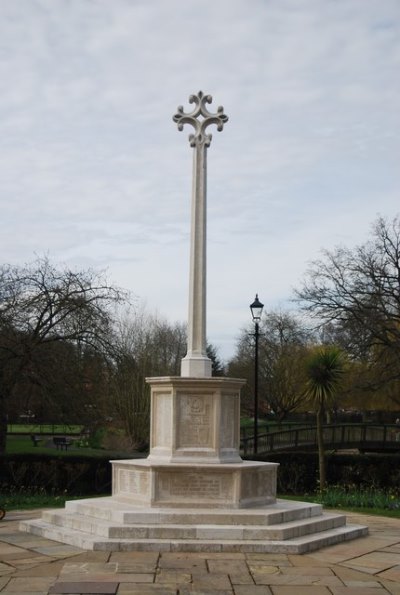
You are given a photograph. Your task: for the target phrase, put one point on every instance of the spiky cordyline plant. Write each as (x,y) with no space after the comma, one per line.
(324,372)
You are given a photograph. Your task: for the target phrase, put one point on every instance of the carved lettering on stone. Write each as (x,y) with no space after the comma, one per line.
(257,483)
(229,416)
(132,482)
(195,486)
(195,421)
(123,480)
(162,419)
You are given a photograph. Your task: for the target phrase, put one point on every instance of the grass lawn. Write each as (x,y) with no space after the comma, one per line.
(392,513)
(272,425)
(45,429)
(20,444)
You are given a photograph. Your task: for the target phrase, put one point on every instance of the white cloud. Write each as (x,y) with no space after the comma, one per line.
(94,171)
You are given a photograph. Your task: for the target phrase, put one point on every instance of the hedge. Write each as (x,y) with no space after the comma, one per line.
(73,475)
(298,472)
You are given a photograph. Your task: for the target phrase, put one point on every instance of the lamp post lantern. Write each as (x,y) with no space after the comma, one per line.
(256,311)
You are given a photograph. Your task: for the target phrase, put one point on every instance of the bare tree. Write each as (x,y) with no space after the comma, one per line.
(145,346)
(283,344)
(40,306)
(355,293)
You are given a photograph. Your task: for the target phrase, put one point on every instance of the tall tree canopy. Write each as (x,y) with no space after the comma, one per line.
(145,346)
(355,293)
(282,348)
(42,305)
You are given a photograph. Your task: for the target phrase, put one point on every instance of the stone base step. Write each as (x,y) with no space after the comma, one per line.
(110,509)
(299,545)
(280,531)
(107,524)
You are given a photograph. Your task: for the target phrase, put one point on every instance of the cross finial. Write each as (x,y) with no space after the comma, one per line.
(196,363)
(200,118)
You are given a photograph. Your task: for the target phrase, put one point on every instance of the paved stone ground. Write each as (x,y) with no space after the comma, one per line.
(32,565)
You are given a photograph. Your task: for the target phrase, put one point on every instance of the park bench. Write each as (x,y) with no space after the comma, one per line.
(61,443)
(35,440)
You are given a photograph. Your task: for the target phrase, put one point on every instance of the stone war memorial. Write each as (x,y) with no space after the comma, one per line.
(194,492)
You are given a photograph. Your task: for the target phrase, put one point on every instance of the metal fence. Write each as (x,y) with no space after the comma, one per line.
(341,436)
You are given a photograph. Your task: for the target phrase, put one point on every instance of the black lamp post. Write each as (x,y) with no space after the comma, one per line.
(256,310)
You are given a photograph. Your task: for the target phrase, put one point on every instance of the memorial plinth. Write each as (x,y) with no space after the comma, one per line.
(194,455)
(195,420)
(227,486)
(194,492)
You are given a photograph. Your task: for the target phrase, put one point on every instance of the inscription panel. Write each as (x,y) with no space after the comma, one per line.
(195,486)
(229,421)
(259,483)
(135,483)
(195,414)
(162,413)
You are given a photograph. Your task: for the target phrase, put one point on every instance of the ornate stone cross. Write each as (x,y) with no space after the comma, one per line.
(196,364)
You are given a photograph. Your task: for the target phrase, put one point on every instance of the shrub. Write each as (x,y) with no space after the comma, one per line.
(298,471)
(77,475)
(351,496)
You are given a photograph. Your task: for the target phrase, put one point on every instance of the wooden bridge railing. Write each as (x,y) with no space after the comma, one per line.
(362,436)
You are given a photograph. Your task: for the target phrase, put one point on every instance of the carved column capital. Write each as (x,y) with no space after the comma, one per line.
(200,118)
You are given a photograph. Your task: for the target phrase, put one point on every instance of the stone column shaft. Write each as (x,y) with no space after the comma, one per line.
(196,363)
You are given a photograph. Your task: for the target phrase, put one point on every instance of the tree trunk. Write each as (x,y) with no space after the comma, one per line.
(3,420)
(321,448)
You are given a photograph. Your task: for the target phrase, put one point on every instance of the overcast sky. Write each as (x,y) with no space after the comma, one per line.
(94,173)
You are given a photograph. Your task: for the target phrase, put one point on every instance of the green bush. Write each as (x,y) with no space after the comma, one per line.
(96,438)
(13,498)
(298,471)
(350,496)
(75,475)
(374,471)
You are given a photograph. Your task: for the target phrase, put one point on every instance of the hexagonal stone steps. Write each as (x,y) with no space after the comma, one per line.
(111,525)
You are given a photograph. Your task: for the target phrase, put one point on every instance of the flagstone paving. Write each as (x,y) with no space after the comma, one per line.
(32,565)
